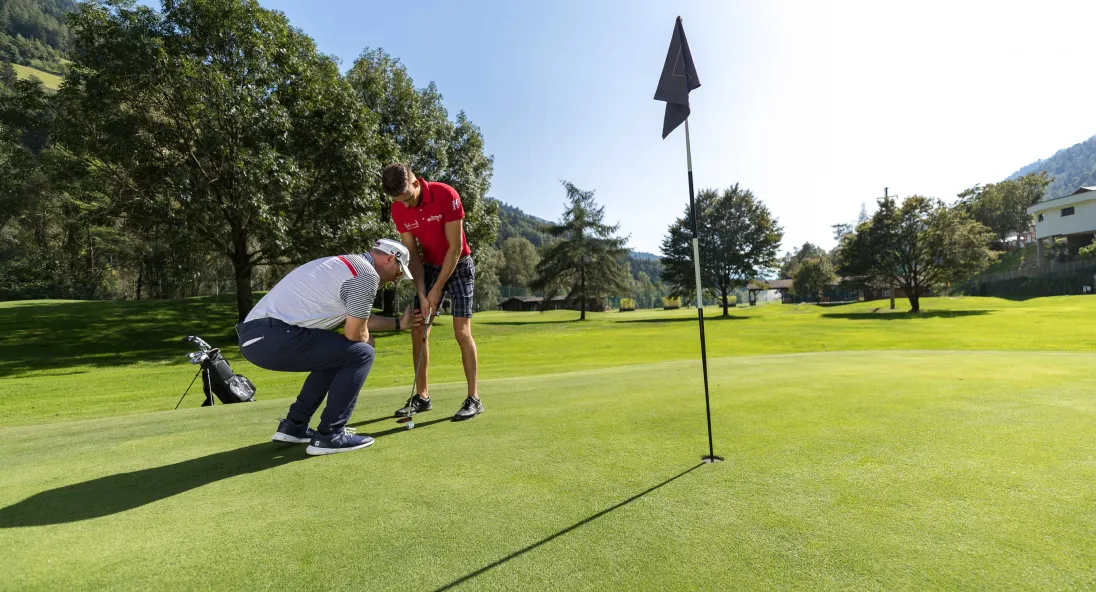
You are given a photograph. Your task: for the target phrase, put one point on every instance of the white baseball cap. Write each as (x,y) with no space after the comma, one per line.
(396,248)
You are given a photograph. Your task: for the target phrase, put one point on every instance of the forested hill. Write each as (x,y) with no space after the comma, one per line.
(1070,168)
(33,33)
(514,222)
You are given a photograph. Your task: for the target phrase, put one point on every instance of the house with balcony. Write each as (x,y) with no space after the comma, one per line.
(1072,217)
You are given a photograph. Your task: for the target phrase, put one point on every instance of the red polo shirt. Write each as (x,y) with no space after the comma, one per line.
(439,203)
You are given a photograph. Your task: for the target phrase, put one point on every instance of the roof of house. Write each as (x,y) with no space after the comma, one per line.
(1046,203)
(525,299)
(784,284)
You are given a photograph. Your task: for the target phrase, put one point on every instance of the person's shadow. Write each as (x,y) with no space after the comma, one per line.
(117,493)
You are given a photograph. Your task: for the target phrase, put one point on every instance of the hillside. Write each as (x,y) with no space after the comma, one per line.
(514,222)
(33,33)
(1070,167)
(49,80)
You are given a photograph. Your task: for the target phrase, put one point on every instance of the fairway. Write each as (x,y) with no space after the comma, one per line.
(74,360)
(891,470)
(855,469)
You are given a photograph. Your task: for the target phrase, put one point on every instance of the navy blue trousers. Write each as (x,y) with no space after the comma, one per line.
(337,367)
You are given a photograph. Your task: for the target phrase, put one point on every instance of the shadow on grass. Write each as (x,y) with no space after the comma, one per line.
(904,316)
(118,493)
(105,333)
(570,528)
(402,427)
(126,491)
(520,323)
(691,319)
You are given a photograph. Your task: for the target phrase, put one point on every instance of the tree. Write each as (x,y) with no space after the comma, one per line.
(520,262)
(221,120)
(1002,207)
(797,256)
(489,262)
(586,258)
(843,229)
(644,289)
(812,277)
(739,241)
(918,244)
(418,131)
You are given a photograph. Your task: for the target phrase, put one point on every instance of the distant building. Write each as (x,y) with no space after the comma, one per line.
(536,303)
(1072,217)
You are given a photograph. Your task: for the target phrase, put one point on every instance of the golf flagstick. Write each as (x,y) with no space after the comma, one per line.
(678,79)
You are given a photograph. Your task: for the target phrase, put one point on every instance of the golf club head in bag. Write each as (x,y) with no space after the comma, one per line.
(218,379)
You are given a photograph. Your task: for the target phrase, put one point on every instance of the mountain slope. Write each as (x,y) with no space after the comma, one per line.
(1070,168)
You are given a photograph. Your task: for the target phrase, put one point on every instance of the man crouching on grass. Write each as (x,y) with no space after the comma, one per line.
(291,330)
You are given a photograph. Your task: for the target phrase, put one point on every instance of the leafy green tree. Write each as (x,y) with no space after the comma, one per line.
(489,263)
(520,262)
(221,119)
(415,128)
(644,290)
(1002,207)
(918,244)
(812,277)
(797,256)
(33,33)
(739,241)
(586,258)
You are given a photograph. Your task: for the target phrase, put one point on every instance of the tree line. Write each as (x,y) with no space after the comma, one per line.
(919,244)
(33,33)
(211,136)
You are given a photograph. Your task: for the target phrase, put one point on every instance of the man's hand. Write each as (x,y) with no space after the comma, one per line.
(406,318)
(434,301)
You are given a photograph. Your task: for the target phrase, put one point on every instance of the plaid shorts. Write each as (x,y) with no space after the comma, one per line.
(460,287)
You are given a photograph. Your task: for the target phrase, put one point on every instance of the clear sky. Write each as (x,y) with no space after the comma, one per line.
(814,106)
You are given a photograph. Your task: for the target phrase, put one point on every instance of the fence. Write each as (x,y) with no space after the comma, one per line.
(1053,278)
(1049,267)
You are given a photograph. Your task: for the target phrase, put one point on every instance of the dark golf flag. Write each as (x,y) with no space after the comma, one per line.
(678,78)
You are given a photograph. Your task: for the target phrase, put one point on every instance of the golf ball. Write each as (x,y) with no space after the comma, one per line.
(410,424)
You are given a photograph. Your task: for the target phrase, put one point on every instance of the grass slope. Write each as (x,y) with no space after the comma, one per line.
(50,81)
(69,360)
(889,470)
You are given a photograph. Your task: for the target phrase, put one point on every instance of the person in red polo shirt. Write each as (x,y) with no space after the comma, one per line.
(429,216)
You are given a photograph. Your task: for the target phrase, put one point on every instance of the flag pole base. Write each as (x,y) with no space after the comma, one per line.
(711,459)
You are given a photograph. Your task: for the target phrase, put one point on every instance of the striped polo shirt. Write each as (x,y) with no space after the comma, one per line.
(320,294)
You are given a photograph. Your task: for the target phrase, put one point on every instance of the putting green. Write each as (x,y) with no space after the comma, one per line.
(862,470)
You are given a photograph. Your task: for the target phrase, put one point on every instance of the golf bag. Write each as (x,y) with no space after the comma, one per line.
(218,379)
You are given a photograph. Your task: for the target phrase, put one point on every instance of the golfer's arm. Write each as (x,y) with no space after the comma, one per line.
(357,329)
(412,245)
(381,323)
(453,233)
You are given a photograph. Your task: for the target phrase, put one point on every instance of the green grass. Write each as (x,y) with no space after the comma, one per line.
(966,464)
(70,360)
(50,81)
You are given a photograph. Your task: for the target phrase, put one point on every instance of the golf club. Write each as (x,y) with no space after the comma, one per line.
(422,348)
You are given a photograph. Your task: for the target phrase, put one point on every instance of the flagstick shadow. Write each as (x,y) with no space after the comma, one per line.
(555,536)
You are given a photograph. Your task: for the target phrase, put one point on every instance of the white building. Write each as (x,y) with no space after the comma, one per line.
(1072,217)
